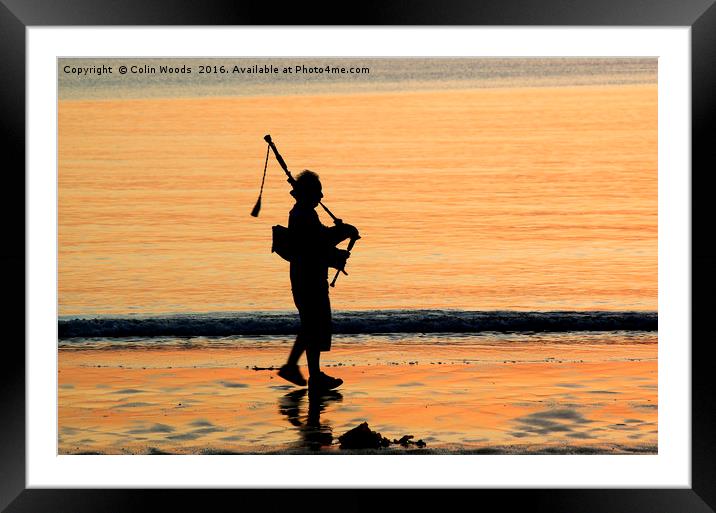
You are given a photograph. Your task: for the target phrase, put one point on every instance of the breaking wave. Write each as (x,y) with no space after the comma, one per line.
(356,322)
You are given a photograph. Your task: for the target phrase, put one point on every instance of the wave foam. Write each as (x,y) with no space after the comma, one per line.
(357,322)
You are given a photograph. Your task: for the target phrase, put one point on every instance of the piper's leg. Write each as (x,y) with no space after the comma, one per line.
(296,351)
(314,361)
(290,371)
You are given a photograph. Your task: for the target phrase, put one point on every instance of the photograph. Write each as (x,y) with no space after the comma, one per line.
(418,254)
(357,255)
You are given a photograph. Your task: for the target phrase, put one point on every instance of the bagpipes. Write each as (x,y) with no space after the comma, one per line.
(281,240)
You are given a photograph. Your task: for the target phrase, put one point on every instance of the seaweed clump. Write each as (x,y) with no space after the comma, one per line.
(362,437)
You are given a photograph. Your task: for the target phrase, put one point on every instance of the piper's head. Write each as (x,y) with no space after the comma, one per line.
(308,188)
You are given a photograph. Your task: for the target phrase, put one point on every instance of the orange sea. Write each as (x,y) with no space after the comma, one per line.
(513,198)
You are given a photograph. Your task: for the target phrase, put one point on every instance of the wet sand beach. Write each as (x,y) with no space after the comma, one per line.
(528,396)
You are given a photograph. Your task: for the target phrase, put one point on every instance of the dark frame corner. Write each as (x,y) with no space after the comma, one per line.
(700,15)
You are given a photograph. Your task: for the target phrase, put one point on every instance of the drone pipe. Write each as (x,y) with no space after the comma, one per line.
(291,180)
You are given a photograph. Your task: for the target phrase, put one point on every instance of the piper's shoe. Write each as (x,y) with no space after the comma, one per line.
(292,374)
(323,382)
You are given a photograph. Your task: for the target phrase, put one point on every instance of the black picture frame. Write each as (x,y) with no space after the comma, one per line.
(17,15)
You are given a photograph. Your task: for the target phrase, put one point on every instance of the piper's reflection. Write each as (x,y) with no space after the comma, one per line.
(313,434)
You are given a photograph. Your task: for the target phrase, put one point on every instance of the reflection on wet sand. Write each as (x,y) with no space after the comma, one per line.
(312,433)
(552,421)
(596,398)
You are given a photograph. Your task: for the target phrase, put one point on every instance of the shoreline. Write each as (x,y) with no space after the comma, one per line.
(368,322)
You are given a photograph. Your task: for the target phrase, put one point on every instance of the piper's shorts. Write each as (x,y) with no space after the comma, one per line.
(314,309)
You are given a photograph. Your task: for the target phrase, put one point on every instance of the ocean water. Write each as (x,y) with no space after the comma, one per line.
(353,345)
(408,323)
(192,77)
(477,185)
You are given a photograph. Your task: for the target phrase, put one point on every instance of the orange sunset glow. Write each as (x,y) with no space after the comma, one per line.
(500,197)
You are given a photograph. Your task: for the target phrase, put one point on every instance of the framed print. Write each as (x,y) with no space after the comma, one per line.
(516,198)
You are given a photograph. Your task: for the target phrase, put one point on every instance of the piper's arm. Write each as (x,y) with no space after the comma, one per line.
(340,232)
